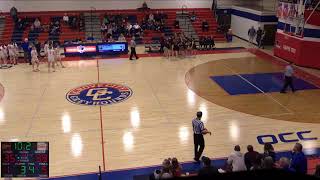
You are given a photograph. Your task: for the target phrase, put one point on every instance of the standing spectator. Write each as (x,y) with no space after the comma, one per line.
(236,159)
(269,151)
(207,170)
(288,75)
(176,24)
(133,49)
(205,26)
(252,33)
(284,164)
(317,172)
(176,167)
(198,131)
(14,14)
(299,160)
(259,36)
(268,163)
(27,50)
(65,18)
(250,157)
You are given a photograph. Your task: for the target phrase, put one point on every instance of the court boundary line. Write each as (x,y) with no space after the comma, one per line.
(268,95)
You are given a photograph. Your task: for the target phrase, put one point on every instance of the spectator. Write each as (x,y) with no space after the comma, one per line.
(37,24)
(122,38)
(65,18)
(193,16)
(317,172)
(251,33)
(176,24)
(145,6)
(236,159)
(268,163)
(166,172)
(207,170)
(14,13)
(176,167)
(205,26)
(211,43)
(269,151)
(151,17)
(284,164)
(259,36)
(299,160)
(256,164)
(250,157)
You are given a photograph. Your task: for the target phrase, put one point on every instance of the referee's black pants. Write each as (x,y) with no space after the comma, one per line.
(198,145)
(287,82)
(133,53)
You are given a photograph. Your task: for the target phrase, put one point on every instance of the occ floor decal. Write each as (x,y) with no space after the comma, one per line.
(99,94)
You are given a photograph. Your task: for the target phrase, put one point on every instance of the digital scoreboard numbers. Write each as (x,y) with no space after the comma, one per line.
(25,159)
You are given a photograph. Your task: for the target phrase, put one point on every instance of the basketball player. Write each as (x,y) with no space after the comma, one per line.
(198,131)
(51,62)
(2,57)
(34,59)
(12,54)
(57,56)
(16,52)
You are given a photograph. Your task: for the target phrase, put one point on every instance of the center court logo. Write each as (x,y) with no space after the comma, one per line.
(99,94)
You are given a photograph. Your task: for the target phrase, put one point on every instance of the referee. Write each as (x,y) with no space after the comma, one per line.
(198,131)
(133,45)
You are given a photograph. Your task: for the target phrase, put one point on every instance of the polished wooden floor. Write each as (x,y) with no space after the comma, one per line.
(153,124)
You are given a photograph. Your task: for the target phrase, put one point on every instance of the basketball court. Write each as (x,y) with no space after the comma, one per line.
(150,117)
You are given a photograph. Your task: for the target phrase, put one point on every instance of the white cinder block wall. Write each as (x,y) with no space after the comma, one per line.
(61,5)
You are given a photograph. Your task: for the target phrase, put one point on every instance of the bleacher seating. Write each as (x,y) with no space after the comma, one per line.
(67,33)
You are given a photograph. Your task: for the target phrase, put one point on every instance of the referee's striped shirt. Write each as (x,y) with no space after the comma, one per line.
(198,126)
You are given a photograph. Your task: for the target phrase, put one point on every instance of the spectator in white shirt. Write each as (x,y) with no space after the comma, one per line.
(151,17)
(66,18)
(236,160)
(37,24)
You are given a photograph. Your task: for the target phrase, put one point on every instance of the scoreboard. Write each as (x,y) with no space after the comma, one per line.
(25,159)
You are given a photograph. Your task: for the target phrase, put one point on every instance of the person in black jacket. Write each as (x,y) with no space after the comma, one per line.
(208,170)
(251,157)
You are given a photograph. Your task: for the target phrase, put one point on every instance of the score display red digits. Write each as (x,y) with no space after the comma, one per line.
(9,158)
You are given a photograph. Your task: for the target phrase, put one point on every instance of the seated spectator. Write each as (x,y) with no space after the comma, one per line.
(205,26)
(299,160)
(166,172)
(284,164)
(268,163)
(104,28)
(176,167)
(176,24)
(65,18)
(317,172)
(250,157)
(122,38)
(110,39)
(207,170)
(193,17)
(269,151)
(151,17)
(106,20)
(212,44)
(236,159)
(37,24)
